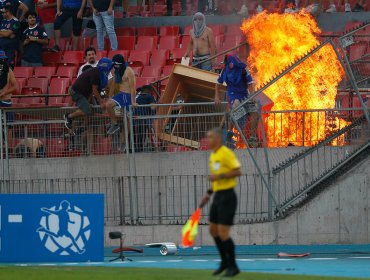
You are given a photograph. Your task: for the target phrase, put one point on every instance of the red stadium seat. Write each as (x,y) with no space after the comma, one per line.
(56,101)
(38,83)
(185,41)
(160,10)
(231,41)
(169,31)
(139,58)
(23,72)
(59,85)
(101,54)
(102,146)
(21,82)
(147,31)
(137,70)
(84,43)
(126,42)
(218,29)
(145,43)
(66,71)
(52,58)
(219,40)
(356,51)
(31,102)
(187,30)
(159,57)
(169,42)
(124,53)
(64,44)
(152,71)
(44,71)
(125,31)
(73,57)
(56,147)
(234,30)
(167,70)
(142,81)
(176,56)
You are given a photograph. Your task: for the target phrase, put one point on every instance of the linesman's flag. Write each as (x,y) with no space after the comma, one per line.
(190,230)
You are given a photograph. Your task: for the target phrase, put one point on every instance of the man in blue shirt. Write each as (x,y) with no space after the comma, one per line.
(9,34)
(239,83)
(34,37)
(103,16)
(67,9)
(16,5)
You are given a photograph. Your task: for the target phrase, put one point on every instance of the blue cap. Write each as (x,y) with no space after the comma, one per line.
(3,55)
(105,64)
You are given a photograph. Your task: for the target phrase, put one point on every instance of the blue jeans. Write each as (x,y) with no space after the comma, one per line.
(105,22)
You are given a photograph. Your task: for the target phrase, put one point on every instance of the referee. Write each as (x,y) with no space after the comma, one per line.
(224,168)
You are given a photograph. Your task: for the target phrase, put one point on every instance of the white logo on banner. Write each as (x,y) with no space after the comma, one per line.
(64,229)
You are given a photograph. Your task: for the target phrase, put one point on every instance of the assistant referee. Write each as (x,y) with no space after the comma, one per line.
(224,169)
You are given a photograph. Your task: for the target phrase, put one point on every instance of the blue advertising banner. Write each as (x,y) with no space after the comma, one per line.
(51,227)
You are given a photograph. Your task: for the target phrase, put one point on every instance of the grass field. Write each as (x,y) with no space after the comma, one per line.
(104,273)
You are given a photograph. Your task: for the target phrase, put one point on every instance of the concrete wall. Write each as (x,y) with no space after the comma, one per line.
(339,215)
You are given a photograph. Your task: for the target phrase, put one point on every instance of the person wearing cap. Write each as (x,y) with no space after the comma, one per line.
(9,34)
(125,82)
(90,83)
(34,38)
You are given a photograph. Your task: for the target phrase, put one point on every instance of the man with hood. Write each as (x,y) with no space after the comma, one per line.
(202,43)
(125,82)
(239,84)
(90,83)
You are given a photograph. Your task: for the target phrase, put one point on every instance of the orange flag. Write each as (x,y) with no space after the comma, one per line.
(190,230)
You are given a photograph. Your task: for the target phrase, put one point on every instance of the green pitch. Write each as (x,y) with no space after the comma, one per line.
(104,273)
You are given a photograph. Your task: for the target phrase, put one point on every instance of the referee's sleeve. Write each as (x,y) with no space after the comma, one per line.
(233,162)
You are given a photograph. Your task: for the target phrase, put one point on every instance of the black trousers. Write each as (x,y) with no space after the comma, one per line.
(169,5)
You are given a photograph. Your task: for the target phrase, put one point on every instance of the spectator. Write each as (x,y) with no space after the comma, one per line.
(15,6)
(103,16)
(239,85)
(46,11)
(67,9)
(8,84)
(139,4)
(124,77)
(89,84)
(9,34)
(202,43)
(243,9)
(34,37)
(170,7)
(142,127)
(90,59)
(333,9)
(360,6)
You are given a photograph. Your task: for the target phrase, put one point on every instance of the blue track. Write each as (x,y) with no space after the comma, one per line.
(325,260)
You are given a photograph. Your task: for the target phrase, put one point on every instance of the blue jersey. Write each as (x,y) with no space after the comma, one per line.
(13,3)
(74,4)
(238,90)
(13,25)
(33,51)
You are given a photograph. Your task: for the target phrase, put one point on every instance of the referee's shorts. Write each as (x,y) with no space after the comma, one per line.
(223,208)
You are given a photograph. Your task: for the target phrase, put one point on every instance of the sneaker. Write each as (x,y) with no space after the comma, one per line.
(358,8)
(347,8)
(67,122)
(219,270)
(232,271)
(114,128)
(243,11)
(55,49)
(332,9)
(259,9)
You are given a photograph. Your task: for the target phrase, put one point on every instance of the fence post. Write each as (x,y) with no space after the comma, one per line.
(2,147)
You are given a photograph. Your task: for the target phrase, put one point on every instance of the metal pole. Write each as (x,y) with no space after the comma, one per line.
(2,146)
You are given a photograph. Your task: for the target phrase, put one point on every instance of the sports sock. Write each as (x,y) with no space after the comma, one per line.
(230,252)
(221,249)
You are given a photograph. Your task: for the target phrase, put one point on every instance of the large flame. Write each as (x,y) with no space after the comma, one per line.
(277,40)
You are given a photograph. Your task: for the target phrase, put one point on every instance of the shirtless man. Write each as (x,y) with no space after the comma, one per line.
(124,78)
(202,43)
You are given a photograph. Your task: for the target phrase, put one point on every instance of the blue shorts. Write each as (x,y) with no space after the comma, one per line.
(123,100)
(10,116)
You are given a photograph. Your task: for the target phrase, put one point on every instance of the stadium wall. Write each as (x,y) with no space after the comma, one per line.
(339,215)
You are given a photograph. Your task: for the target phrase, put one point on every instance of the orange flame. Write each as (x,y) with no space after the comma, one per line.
(277,40)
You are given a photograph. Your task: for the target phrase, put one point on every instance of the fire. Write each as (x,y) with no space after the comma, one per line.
(277,40)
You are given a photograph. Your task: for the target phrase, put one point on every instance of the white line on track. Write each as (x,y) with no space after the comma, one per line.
(321,259)
(173,261)
(199,260)
(147,261)
(47,264)
(359,257)
(245,260)
(271,259)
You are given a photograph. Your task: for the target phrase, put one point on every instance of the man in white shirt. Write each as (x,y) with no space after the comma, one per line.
(90,58)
